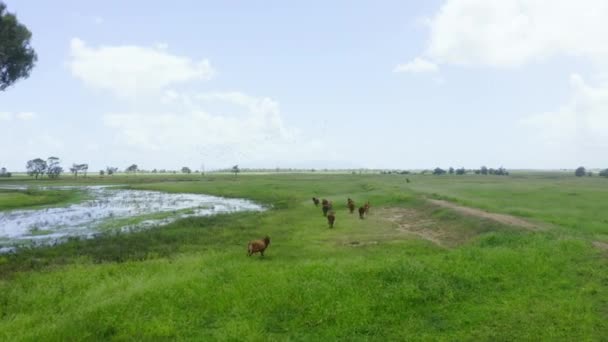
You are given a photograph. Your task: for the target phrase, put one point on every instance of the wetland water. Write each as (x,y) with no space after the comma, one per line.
(108,209)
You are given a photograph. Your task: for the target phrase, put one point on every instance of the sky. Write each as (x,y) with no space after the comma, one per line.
(311,84)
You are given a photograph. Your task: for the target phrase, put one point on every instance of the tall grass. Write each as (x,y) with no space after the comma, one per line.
(192,280)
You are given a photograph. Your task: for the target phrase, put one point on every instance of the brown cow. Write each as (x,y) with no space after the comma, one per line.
(331,218)
(361,212)
(326,206)
(351,206)
(258,246)
(366,206)
(315,201)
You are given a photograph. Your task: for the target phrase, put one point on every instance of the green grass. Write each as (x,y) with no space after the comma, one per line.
(566,201)
(33,198)
(192,280)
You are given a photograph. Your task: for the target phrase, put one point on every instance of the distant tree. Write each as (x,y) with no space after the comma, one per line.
(439,171)
(53,169)
(604,173)
(111,170)
(451,170)
(132,168)
(590,174)
(4,172)
(461,171)
(154,171)
(501,171)
(79,168)
(36,167)
(102,173)
(483,170)
(235,170)
(477,172)
(186,169)
(580,171)
(17,57)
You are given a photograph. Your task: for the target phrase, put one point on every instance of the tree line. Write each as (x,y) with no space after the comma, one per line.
(581,171)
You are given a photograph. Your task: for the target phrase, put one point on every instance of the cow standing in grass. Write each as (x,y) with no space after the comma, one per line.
(256,246)
(331,218)
(361,212)
(326,206)
(351,205)
(315,201)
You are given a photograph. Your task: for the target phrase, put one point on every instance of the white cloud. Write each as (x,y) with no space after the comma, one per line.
(418,65)
(582,121)
(229,126)
(130,71)
(25,116)
(514,33)
(5,116)
(507,33)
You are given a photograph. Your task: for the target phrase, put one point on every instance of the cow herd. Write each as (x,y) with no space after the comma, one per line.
(327,208)
(259,246)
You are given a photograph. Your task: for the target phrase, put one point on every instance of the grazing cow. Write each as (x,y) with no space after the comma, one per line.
(361,212)
(366,206)
(326,206)
(256,246)
(331,218)
(315,201)
(351,205)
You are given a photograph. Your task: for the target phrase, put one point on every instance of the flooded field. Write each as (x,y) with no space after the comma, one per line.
(108,209)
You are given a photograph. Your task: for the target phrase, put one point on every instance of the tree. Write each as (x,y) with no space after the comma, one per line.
(111,170)
(461,171)
(438,171)
(451,170)
(17,57)
(4,172)
(35,167)
(483,170)
(235,170)
(132,168)
(580,172)
(53,169)
(102,172)
(186,169)
(604,173)
(79,167)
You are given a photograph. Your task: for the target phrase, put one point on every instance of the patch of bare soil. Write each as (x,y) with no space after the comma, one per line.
(501,218)
(412,222)
(601,245)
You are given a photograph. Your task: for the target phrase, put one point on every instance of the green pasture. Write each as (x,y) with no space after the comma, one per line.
(408,271)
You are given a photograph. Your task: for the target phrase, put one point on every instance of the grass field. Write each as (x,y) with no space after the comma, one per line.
(409,271)
(32,198)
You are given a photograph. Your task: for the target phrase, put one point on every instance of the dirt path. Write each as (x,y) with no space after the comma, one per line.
(601,245)
(501,218)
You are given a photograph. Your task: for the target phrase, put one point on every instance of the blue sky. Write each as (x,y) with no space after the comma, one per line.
(387,84)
